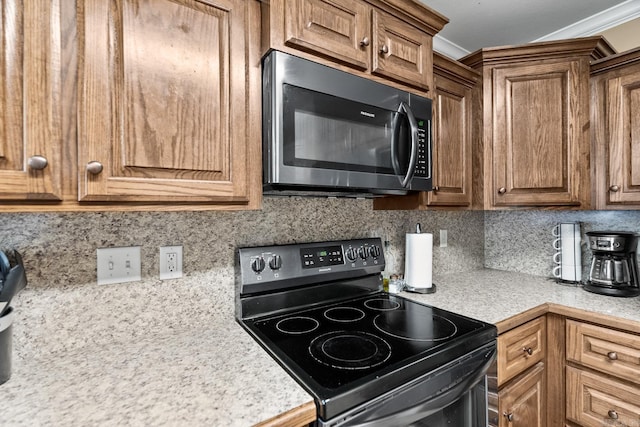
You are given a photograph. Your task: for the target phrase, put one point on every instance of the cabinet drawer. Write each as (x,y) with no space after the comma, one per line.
(613,352)
(595,401)
(521,348)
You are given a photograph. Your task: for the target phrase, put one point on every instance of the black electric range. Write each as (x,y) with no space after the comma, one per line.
(319,310)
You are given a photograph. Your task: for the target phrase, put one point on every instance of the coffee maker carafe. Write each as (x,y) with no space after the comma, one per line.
(614,269)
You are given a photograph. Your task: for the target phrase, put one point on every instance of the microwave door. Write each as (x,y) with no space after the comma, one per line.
(404,144)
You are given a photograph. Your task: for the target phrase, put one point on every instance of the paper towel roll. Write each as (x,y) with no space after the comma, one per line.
(418,261)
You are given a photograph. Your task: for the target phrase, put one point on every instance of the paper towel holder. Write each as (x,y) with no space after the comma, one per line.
(420,290)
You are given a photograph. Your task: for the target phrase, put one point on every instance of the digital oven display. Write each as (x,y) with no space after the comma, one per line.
(321,256)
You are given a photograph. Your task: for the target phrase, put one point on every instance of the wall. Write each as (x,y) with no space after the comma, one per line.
(624,36)
(63,309)
(521,240)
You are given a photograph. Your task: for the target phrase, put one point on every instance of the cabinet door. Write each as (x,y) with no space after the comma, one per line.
(30,96)
(451,144)
(162,101)
(595,400)
(540,113)
(400,51)
(522,403)
(623,138)
(338,29)
(521,348)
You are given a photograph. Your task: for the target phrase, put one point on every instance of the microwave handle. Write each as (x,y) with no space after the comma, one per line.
(414,143)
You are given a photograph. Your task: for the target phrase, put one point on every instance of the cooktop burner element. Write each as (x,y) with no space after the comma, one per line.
(350,350)
(344,314)
(319,310)
(415,326)
(381,304)
(297,325)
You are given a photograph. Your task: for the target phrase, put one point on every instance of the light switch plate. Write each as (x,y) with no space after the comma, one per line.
(118,265)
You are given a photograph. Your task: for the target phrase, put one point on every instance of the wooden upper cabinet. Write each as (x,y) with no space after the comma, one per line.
(615,96)
(162,101)
(401,52)
(387,41)
(30,116)
(535,142)
(337,29)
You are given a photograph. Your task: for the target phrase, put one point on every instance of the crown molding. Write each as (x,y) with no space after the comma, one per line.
(448,48)
(597,23)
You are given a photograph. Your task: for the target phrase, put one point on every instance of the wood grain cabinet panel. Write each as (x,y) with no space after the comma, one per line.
(522,403)
(615,97)
(534,147)
(521,348)
(162,101)
(612,352)
(30,101)
(594,400)
(390,42)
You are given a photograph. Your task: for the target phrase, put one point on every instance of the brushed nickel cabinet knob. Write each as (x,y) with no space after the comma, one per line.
(614,188)
(384,49)
(364,42)
(502,190)
(94,167)
(528,350)
(612,414)
(37,162)
(612,355)
(508,416)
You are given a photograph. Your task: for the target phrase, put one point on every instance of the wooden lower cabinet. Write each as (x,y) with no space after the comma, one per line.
(602,376)
(517,392)
(522,401)
(595,400)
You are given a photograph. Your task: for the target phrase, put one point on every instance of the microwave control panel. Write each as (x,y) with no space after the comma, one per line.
(423,162)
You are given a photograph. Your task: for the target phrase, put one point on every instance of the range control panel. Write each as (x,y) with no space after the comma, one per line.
(309,262)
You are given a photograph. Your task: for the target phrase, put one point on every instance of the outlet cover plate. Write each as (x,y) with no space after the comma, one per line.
(118,265)
(170,262)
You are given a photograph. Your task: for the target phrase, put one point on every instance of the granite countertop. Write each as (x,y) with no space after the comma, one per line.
(211,372)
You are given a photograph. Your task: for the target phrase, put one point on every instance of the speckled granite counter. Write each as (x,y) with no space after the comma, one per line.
(197,366)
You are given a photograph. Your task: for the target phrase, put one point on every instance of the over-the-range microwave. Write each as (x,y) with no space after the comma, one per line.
(328,132)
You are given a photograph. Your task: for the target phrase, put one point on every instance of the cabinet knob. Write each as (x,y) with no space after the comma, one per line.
(436,188)
(614,188)
(613,414)
(37,162)
(528,350)
(384,49)
(94,167)
(502,190)
(508,416)
(612,355)
(364,42)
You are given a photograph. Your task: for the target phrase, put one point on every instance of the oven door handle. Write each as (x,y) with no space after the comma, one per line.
(431,406)
(413,124)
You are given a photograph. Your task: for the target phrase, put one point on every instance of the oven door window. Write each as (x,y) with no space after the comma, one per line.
(328,132)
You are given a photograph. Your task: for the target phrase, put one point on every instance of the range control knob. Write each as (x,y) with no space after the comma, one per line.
(275,262)
(258,264)
(363,252)
(374,251)
(351,254)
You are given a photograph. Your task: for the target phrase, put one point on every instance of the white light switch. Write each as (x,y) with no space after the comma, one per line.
(118,265)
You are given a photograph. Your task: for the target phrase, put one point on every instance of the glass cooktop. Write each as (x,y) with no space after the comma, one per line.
(347,343)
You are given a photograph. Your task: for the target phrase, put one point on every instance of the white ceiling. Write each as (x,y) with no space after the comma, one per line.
(474,24)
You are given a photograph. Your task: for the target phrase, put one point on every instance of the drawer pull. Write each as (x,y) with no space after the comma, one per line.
(508,416)
(613,414)
(612,355)
(528,350)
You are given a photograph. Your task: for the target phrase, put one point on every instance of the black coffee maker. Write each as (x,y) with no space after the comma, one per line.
(614,269)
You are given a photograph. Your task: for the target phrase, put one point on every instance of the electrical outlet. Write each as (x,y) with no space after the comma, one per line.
(170,262)
(443,238)
(118,265)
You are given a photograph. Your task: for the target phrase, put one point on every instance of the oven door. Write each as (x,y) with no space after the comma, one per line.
(453,395)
